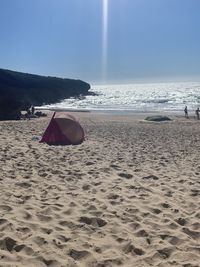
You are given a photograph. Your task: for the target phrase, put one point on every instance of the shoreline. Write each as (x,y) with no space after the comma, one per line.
(136,115)
(113,111)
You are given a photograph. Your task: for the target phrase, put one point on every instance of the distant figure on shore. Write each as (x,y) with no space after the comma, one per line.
(186,112)
(28,114)
(197,113)
(32,110)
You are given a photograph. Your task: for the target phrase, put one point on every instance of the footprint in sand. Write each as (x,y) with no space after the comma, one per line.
(173,240)
(94,221)
(10,245)
(7,243)
(5,208)
(47,262)
(191,233)
(23,184)
(63,238)
(24,230)
(46,231)
(165,205)
(78,254)
(113,196)
(26,215)
(130,248)
(141,233)
(165,253)
(18,248)
(110,262)
(134,225)
(86,187)
(195,226)
(114,166)
(181,221)
(44,218)
(3,221)
(195,192)
(156,211)
(69,224)
(125,175)
(150,177)
(40,240)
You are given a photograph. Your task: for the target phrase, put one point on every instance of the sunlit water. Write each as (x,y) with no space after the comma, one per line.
(137,97)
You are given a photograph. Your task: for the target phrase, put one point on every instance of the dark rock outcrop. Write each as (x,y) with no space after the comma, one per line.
(18,91)
(157,118)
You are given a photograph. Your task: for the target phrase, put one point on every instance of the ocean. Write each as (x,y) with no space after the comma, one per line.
(137,97)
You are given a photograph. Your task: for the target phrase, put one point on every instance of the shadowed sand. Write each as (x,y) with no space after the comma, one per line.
(127,196)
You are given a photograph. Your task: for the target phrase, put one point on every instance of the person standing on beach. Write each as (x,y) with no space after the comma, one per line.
(28,114)
(197,113)
(186,112)
(32,110)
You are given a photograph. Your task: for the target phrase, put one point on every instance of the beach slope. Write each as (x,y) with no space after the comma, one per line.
(127,196)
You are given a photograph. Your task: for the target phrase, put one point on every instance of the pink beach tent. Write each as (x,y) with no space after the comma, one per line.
(63,129)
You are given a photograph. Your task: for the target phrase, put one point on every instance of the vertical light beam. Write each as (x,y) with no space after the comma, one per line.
(104,39)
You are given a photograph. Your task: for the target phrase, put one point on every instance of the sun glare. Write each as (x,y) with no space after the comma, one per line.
(104,39)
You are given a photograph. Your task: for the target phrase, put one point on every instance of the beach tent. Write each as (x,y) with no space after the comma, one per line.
(63,129)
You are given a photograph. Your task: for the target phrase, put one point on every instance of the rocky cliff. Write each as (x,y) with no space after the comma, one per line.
(20,90)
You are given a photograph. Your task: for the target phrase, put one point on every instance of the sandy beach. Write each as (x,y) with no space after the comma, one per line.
(127,196)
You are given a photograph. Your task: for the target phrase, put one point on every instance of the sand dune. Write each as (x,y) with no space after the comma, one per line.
(128,196)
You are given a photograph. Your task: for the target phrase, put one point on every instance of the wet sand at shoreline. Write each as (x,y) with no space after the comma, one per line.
(127,196)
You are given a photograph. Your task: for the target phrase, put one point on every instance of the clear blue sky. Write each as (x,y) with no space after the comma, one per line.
(148,40)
